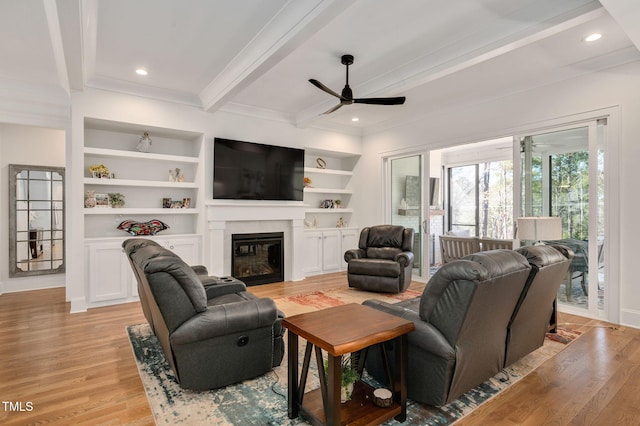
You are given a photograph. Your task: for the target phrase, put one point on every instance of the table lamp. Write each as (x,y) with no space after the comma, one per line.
(539,228)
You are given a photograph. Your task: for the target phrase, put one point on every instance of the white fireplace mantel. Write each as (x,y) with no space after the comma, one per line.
(224,218)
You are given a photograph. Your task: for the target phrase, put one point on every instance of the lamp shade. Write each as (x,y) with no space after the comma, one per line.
(539,228)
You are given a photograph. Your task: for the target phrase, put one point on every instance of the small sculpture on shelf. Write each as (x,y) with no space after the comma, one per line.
(311,224)
(175,175)
(145,143)
(341,223)
(307,182)
(89,199)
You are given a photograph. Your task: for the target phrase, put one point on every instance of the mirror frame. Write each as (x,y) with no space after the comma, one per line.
(14,271)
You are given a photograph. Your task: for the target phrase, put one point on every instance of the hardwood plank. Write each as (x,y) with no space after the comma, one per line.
(79,369)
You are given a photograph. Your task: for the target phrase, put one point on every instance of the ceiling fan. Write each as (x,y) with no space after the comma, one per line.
(346,98)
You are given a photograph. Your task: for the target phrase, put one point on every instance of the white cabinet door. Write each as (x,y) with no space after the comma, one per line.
(313,252)
(350,239)
(331,251)
(188,248)
(109,273)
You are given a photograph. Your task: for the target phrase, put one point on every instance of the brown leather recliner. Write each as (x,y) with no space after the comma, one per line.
(383,260)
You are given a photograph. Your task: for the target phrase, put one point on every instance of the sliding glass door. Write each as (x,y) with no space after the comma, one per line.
(563,176)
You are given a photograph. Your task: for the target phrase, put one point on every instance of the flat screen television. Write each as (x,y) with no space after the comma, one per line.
(253,171)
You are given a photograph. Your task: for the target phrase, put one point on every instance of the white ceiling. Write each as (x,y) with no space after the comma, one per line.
(255,57)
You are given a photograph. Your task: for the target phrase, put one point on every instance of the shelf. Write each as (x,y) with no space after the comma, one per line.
(116,153)
(140,183)
(131,211)
(126,235)
(324,211)
(360,410)
(328,171)
(328,190)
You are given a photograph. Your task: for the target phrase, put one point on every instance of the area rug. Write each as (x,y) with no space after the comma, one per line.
(262,401)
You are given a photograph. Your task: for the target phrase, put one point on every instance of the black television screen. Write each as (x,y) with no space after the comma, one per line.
(252,171)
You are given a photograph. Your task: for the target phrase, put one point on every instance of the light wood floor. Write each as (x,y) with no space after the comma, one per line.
(79,369)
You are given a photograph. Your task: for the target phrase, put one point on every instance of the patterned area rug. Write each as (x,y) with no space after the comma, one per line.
(262,401)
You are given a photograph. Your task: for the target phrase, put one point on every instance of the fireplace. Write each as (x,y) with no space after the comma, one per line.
(258,258)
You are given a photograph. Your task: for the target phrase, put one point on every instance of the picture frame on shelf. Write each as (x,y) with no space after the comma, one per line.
(327,204)
(166,203)
(102,201)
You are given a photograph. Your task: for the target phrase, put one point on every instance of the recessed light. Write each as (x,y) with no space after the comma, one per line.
(355,119)
(593,37)
(141,71)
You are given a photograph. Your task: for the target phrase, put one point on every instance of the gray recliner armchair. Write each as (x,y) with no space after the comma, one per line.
(530,320)
(383,260)
(461,325)
(213,333)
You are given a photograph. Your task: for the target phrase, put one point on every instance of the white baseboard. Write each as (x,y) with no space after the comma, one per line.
(630,318)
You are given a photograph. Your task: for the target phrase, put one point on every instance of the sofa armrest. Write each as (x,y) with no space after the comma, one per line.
(354,254)
(219,289)
(405,258)
(425,336)
(200,269)
(225,319)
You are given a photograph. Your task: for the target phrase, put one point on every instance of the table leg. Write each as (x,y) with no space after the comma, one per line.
(332,405)
(292,355)
(401,395)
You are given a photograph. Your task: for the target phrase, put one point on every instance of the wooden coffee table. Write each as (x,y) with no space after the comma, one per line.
(341,330)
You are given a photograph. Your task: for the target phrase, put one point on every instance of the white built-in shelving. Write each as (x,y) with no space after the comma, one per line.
(143,178)
(328,184)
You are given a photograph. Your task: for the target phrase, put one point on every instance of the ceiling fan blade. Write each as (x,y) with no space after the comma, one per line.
(329,111)
(381,101)
(324,88)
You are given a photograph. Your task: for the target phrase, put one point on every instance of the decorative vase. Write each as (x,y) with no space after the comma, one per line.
(89,199)
(345,392)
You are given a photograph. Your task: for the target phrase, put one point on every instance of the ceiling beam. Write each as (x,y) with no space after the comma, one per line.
(55,36)
(69,22)
(293,25)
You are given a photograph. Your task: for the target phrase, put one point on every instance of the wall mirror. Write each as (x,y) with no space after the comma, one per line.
(36,220)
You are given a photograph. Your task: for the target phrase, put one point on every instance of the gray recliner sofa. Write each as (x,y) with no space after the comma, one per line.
(213,333)
(530,320)
(383,260)
(463,319)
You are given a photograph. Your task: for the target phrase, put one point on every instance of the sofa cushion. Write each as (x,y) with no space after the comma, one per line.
(379,267)
(382,252)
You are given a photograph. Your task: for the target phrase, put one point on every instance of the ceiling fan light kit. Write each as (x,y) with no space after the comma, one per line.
(346,97)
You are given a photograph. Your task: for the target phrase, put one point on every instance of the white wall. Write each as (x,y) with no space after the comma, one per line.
(34,146)
(617,87)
